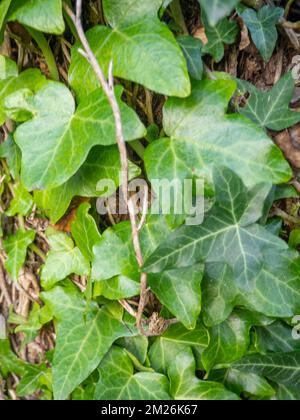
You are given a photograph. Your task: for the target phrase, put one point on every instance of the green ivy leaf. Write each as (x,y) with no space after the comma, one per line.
(262,26)
(69,133)
(8,67)
(125,12)
(180,291)
(43,15)
(4,6)
(9,362)
(201,134)
(282,368)
(83,338)
(192,50)
(227,235)
(225,32)
(271,109)
(30,79)
(175,340)
(85,231)
(186,386)
(16,248)
(130,37)
(119,382)
(33,380)
(21,203)
(215,10)
(102,163)
(63,260)
(276,338)
(12,153)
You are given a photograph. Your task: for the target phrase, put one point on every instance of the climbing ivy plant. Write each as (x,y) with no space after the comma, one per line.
(224,292)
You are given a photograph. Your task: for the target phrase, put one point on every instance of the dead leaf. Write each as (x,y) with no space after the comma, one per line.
(200,34)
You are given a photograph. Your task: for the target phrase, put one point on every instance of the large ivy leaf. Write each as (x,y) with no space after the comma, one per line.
(262,26)
(225,32)
(102,163)
(276,338)
(83,338)
(180,291)
(201,134)
(16,248)
(227,235)
(31,79)
(186,386)
(68,132)
(85,231)
(215,10)
(275,290)
(271,109)
(125,12)
(282,368)
(43,15)
(136,43)
(119,382)
(175,340)
(63,259)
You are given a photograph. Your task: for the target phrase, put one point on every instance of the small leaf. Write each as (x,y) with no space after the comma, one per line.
(63,259)
(119,382)
(8,68)
(69,133)
(16,248)
(192,50)
(9,362)
(175,340)
(21,203)
(32,380)
(215,10)
(225,32)
(85,231)
(271,109)
(43,15)
(262,26)
(186,386)
(180,291)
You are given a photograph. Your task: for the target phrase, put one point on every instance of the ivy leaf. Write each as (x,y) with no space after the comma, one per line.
(180,291)
(145,40)
(276,338)
(175,340)
(192,50)
(118,381)
(282,368)
(271,109)
(32,380)
(43,15)
(241,383)
(9,362)
(16,248)
(186,386)
(102,163)
(30,79)
(21,203)
(215,10)
(201,135)
(275,291)
(73,133)
(223,237)
(125,12)
(262,26)
(83,338)
(85,231)
(230,340)
(287,393)
(225,32)
(12,153)
(8,67)
(63,259)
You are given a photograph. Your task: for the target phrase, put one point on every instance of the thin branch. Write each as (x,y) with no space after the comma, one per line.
(108,88)
(3,286)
